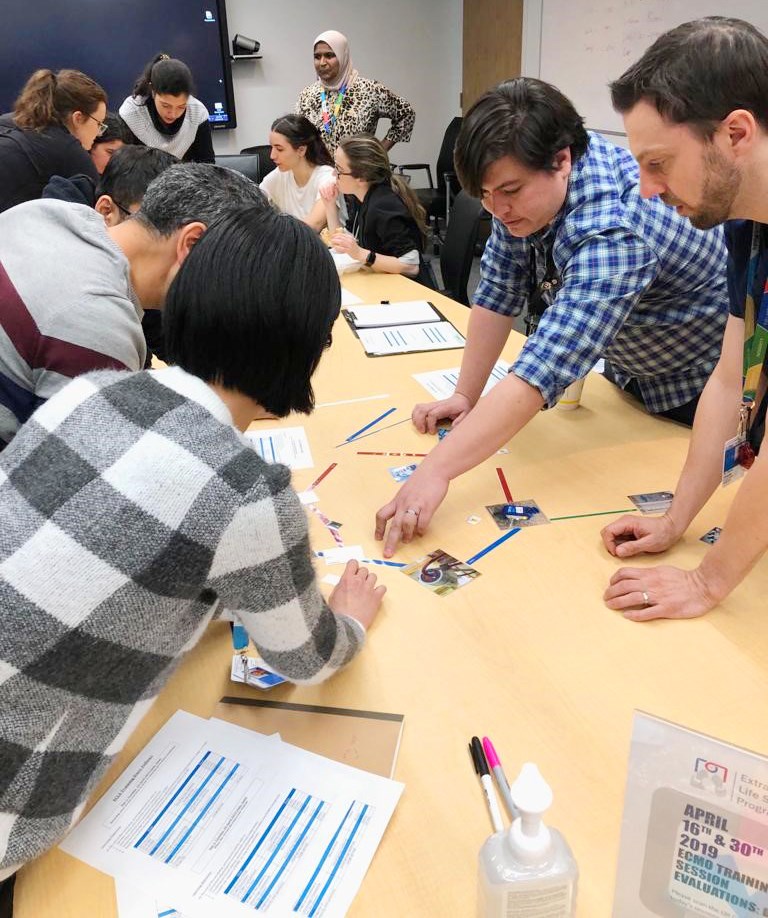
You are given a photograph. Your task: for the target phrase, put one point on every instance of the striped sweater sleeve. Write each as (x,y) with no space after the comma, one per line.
(262,571)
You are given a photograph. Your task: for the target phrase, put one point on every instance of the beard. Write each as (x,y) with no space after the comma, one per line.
(722,182)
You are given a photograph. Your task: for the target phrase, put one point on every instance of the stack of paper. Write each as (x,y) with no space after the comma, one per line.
(210,818)
(287,445)
(402,328)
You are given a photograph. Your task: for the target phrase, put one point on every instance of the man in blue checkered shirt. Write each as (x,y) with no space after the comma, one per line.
(615,276)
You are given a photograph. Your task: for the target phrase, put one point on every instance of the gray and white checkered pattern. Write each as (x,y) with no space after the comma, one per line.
(128,506)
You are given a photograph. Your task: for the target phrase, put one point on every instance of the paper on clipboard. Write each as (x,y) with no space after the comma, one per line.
(388,314)
(403,339)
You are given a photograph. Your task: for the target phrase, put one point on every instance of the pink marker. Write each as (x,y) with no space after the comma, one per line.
(501,779)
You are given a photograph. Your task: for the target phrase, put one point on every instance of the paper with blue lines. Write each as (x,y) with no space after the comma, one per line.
(215,819)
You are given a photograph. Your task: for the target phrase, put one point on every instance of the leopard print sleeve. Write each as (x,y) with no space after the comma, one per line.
(399,111)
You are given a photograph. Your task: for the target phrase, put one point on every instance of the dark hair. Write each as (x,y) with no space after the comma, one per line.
(50,98)
(129,171)
(117,129)
(527,119)
(165,75)
(369,162)
(252,307)
(698,72)
(189,192)
(300,132)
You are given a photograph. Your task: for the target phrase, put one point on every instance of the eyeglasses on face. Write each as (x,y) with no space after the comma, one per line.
(102,126)
(340,171)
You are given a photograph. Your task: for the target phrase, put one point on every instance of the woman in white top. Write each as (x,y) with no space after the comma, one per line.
(303,165)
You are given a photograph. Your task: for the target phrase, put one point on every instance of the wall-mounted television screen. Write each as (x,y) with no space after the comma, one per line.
(112,40)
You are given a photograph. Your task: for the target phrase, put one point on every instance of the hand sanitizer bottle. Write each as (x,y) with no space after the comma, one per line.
(528,870)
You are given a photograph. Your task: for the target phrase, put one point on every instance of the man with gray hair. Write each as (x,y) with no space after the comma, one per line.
(72,291)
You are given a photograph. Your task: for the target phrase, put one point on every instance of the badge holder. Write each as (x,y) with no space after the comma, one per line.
(738,454)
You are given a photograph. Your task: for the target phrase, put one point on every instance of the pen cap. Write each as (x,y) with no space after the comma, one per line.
(529,838)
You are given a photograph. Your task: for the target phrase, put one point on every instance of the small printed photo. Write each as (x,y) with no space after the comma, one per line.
(403,472)
(442,432)
(440,572)
(652,502)
(522,513)
(712,536)
(258,675)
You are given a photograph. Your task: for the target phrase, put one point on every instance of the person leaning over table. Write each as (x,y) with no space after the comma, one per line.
(695,108)
(341,103)
(387,226)
(162,112)
(113,139)
(150,512)
(55,121)
(626,279)
(74,290)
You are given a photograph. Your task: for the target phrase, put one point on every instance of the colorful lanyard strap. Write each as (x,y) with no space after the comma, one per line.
(329,119)
(755,338)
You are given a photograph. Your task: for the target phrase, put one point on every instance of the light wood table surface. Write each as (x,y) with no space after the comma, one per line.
(527,653)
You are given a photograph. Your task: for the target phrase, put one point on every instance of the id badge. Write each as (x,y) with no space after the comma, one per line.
(732,467)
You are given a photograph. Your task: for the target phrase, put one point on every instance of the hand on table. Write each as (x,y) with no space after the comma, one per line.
(357,595)
(646,593)
(343,241)
(426,414)
(410,511)
(632,535)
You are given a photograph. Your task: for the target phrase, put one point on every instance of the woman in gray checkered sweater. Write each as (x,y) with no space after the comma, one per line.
(131,507)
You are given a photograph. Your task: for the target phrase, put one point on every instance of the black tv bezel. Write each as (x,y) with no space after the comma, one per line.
(229,89)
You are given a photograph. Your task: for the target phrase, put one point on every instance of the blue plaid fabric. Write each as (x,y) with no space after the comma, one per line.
(639,286)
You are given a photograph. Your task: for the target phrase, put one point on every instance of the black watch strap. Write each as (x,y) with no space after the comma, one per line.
(371,258)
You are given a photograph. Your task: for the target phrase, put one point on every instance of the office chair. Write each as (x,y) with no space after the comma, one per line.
(248,165)
(262,151)
(458,248)
(436,200)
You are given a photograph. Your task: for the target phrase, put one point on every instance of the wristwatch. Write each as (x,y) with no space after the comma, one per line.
(370,259)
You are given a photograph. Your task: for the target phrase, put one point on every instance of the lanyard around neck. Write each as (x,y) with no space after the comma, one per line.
(329,118)
(755,324)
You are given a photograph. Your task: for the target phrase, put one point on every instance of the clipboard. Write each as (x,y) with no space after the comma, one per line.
(409,338)
(366,739)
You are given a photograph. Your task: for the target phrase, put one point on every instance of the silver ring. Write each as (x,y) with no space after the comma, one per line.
(646,600)
(411,510)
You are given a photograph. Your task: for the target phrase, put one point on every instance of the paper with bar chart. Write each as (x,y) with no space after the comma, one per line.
(223,820)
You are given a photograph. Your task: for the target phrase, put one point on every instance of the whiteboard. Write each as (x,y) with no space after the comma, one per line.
(581,45)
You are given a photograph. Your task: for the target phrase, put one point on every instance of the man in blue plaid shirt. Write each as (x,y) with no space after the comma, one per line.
(612,275)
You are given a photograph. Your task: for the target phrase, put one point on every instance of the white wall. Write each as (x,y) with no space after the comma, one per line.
(412,46)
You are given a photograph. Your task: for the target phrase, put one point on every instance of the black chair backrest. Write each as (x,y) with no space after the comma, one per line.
(445,157)
(248,165)
(458,247)
(262,151)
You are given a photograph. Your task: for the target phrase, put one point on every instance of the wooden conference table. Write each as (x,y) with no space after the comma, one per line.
(527,653)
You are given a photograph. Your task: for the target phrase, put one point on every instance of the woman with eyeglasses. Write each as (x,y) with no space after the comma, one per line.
(387,228)
(54,123)
(163,113)
(341,103)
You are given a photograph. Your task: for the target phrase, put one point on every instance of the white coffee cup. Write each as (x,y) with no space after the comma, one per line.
(571,398)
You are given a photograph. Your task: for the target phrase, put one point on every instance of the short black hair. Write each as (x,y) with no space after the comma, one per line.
(129,171)
(524,118)
(252,307)
(117,129)
(699,72)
